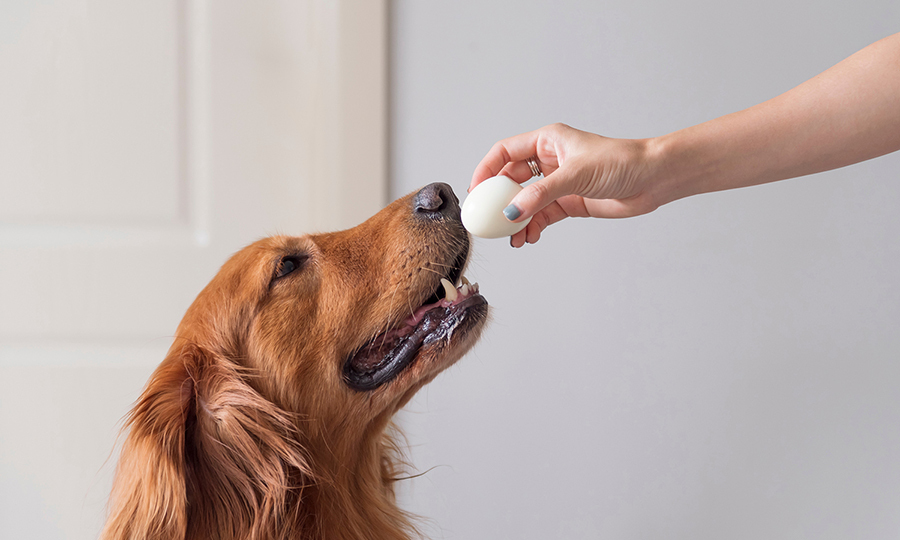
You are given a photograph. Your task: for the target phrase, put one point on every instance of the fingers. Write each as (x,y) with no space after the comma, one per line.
(508,157)
(532,232)
(518,148)
(520,171)
(539,195)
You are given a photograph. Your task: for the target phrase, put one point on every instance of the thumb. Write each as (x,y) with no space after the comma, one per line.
(534,197)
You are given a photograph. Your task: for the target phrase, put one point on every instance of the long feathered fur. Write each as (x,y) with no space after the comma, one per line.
(247,431)
(199,433)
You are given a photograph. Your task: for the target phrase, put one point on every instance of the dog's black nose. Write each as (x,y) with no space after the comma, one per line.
(436,200)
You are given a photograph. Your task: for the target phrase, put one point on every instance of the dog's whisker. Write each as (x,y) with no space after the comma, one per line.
(383,336)
(390,323)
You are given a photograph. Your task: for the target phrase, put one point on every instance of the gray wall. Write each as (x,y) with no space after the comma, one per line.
(725,367)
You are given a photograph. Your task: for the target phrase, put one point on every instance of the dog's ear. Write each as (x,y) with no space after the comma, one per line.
(205,452)
(149,498)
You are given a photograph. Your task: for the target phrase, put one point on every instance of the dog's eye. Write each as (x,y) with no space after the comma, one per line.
(288,264)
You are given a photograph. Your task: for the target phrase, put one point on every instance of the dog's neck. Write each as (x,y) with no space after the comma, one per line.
(351,496)
(353,493)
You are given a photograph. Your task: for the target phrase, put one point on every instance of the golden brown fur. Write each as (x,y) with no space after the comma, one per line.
(248,430)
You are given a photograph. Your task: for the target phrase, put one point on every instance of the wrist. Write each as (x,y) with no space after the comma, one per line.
(661,182)
(674,170)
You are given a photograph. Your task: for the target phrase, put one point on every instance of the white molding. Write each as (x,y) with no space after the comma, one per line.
(350,168)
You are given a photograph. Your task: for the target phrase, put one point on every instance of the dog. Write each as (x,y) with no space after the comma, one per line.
(270,416)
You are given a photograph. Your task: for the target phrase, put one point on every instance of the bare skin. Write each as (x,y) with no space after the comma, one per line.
(847,114)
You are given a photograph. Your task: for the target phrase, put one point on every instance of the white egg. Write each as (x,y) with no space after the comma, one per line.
(482,211)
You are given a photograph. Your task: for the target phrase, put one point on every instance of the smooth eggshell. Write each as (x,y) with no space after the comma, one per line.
(482,211)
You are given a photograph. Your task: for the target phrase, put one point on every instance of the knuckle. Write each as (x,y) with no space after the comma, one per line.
(532,233)
(539,192)
(539,221)
(500,149)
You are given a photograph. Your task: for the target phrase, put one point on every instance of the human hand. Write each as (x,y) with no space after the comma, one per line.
(585,175)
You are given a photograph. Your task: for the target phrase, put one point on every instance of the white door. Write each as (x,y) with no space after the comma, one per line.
(140,144)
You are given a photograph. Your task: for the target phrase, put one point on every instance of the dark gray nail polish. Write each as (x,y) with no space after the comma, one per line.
(511,212)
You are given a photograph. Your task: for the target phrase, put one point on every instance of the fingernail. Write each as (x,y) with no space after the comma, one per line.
(511,212)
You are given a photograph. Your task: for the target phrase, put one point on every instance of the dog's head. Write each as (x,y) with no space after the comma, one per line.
(288,366)
(349,322)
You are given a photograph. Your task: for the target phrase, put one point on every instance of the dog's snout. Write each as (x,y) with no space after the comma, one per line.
(436,199)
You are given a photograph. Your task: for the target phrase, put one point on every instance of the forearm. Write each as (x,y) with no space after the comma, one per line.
(847,114)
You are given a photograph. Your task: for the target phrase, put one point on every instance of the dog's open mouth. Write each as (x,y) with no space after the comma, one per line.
(455,307)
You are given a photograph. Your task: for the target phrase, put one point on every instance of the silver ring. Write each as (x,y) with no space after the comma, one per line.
(534,166)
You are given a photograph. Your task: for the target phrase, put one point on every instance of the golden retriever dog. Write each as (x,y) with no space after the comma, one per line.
(270,416)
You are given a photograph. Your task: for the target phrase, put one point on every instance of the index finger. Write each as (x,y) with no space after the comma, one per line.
(517,148)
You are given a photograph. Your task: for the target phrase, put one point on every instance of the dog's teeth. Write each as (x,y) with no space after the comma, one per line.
(465,281)
(464,290)
(474,287)
(450,292)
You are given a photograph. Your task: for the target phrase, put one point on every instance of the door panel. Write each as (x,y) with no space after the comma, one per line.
(140,145)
